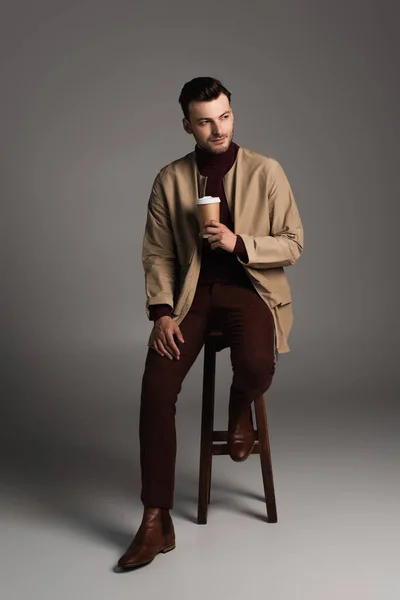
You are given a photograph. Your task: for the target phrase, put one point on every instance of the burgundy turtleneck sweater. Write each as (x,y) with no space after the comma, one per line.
(216,265)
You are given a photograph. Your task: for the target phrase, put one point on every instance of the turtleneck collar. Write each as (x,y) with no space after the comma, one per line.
(207,159)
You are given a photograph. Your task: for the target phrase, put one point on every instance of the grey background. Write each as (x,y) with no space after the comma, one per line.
(89,114)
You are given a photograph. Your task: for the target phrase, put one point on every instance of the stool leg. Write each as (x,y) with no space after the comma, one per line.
(265,458)
(207,425)
(209,481)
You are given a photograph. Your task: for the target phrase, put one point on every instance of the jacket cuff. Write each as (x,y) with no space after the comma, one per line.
(157,311)
(240,249)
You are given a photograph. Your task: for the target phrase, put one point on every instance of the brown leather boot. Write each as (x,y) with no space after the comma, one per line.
(241,435)
(155,534)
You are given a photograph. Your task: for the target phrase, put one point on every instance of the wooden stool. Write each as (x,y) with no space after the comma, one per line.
(211,440)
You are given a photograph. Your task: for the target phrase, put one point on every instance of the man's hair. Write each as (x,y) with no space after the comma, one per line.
(201,89)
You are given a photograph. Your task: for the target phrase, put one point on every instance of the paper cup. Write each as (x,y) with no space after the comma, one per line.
(208,208)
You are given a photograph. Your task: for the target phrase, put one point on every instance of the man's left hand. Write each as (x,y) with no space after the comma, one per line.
(221,236)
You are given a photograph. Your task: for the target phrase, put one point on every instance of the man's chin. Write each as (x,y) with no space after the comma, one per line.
(218,148)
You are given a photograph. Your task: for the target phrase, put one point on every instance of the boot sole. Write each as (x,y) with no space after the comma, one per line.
(142,564)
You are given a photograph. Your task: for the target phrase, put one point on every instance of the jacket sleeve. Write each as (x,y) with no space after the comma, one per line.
(240,250)
(158,251)
(159,310)
(285,243)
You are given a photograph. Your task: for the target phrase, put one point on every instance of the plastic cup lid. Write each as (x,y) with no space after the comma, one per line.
(208,200)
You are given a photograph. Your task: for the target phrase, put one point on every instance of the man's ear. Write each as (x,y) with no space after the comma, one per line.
(186,126)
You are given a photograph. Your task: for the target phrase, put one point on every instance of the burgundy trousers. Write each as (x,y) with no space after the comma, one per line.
(248,324)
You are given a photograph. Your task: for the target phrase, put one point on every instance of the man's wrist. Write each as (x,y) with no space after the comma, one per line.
(163,317)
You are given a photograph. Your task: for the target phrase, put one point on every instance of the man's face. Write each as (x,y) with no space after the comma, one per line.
(211,124)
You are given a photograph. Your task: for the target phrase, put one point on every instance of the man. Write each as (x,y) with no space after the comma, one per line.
(233,280)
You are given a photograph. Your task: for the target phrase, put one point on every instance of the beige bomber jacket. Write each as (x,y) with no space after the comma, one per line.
(265,215)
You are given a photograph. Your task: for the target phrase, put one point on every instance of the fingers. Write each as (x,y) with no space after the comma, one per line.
(163,339)
(215,241)
(161,349)
(212,230)
(178,334)
(212,227)
(155,348)
(215,238)
(172,347)
(165,345)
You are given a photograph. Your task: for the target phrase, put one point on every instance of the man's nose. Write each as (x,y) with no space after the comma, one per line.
(216,130)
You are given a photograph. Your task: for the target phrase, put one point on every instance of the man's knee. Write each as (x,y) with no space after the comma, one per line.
(255,373)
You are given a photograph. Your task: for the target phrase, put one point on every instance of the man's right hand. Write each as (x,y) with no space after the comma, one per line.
(162,337)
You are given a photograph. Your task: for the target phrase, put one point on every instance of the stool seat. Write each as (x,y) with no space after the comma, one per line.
(213,442)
